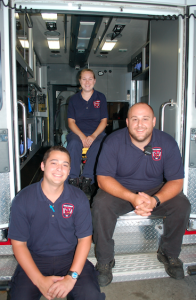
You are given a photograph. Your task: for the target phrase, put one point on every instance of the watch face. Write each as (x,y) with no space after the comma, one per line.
(74,275)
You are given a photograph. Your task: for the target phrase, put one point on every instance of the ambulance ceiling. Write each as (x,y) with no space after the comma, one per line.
(129,40)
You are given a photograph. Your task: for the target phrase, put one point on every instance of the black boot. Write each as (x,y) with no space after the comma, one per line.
(86,187)
(74,182)
(105,272)
(173,266)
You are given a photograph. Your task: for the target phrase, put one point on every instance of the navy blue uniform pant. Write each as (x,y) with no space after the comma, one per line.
(107,208)
(86,286)
(74,147)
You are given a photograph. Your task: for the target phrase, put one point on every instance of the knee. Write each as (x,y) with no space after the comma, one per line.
(74,144)
(183,206)
(93,291)
(101,203)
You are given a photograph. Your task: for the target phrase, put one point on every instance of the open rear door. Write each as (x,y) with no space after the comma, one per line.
(7,186)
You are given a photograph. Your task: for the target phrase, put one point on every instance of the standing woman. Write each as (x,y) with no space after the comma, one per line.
(87,119)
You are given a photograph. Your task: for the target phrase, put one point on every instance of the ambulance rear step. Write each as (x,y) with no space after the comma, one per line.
(130,267)
(136,242)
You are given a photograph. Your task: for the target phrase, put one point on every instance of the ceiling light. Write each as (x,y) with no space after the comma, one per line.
(85,29)
(49,17)
(53,43)
(82,43)
(17,16)
(84,34)
(51,25)
(109,45)
(24,43)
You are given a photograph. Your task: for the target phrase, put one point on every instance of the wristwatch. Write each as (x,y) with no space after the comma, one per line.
(157,200)
(74,275)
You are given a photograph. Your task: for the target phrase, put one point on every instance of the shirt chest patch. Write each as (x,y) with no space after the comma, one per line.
(67,210)
(97,104)
(156,153)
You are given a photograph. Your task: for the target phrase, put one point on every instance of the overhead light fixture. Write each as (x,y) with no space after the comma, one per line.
(51,25)
(17,16)
(82,43)
(85,29)
(53,43)
(109,45)
(24,42)
(118,28)
(49,17)
(84,34)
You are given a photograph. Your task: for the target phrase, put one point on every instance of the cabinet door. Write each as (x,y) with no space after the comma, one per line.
(164,73)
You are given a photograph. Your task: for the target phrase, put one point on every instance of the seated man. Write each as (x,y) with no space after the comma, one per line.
(132,166)
(50,230)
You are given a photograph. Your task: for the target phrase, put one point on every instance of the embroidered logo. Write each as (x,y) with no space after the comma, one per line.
(97,104)
(67,210)
(156,153)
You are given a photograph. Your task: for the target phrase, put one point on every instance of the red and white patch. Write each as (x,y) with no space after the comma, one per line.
(97,103)
(156,153)
(67,210)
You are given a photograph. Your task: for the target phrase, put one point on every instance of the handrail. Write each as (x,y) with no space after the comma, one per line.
(24,120)
(162,113)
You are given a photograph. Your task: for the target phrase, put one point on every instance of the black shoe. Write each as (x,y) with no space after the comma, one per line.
(105,272)
(74,182)
(173,266)
(86,187)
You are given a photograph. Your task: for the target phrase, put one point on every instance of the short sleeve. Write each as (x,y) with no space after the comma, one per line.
(83,219)
(19,227)
(173,167)
(104,109)
(71,110)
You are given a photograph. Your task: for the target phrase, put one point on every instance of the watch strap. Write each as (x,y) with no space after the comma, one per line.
(73,274)
(157,200)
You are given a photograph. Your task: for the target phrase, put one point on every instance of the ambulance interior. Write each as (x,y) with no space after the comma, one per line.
(135,70)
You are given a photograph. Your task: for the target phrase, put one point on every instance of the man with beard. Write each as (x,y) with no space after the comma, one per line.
(140,168)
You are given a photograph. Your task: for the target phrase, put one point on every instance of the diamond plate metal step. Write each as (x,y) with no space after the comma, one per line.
(8,265)
(130,267)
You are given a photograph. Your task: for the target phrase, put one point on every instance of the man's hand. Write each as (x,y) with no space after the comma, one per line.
(46,282)
(144,208)
(61,288)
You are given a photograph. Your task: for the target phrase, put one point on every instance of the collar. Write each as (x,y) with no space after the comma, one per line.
(92,98)
(42,197)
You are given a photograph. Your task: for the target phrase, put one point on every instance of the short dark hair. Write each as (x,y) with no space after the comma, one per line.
(139,104)
(55,148)
(86,70)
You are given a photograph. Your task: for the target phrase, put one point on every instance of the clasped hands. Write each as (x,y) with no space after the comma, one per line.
(87,141)
(56,286)
(144,204)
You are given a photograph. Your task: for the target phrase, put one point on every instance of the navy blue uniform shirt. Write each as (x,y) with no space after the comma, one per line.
(88,114)
(128,164)
(50,229)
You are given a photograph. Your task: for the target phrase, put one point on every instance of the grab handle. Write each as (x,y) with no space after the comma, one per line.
(162,113)
(24,121)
